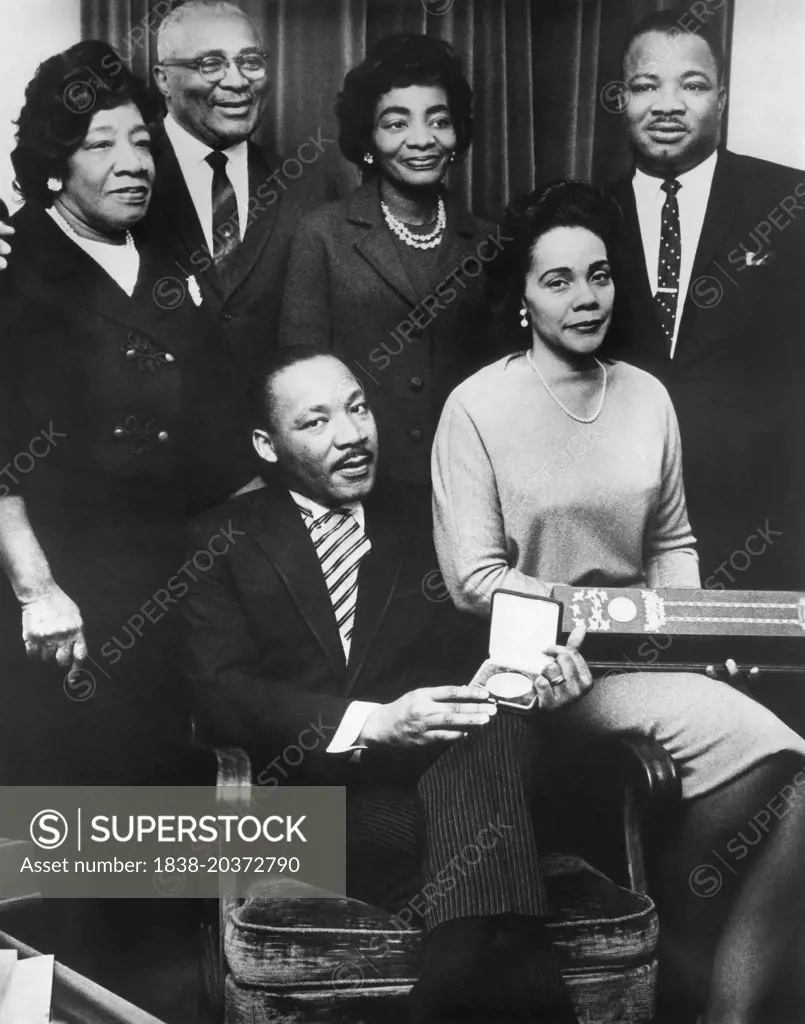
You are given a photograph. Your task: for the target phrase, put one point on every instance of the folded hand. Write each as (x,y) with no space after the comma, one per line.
(52,628)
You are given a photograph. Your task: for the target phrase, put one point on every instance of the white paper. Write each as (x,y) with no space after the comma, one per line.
(28,996)
(8,963)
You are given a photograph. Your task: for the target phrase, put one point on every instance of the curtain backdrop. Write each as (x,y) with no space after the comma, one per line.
(542,73)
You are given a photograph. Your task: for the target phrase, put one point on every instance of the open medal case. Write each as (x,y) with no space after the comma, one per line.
(522,626)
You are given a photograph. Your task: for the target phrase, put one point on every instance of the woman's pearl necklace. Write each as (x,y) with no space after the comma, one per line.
(564,408)
(429,241)
(71,231)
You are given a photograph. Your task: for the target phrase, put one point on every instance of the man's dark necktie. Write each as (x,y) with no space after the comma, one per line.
(225,219)
(670,260)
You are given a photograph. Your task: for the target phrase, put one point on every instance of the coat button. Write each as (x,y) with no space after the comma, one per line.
(416,435)
(118,432)
(169,358)
(162,436)
(130,353)
(226,317)
(416,383)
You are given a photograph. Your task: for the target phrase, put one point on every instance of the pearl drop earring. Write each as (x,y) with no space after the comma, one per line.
(523,317)
(368,158)
(55,184)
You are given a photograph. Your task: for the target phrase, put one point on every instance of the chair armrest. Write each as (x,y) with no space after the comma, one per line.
(651,770)
(652,790)
(233,779)
(233,786)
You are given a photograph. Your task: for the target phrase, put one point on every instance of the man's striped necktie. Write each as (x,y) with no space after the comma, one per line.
(340,544)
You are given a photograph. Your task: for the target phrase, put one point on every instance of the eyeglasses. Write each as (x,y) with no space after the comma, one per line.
(251,65)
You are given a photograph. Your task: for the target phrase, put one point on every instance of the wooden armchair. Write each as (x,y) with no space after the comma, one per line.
(295,960)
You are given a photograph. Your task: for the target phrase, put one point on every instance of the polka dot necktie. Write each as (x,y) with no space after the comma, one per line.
(341,544)
(225,219)
(667,295)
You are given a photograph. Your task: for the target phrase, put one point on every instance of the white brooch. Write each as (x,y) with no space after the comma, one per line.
(756,259)
(195,291)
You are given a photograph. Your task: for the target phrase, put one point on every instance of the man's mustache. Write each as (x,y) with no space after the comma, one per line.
(362,451)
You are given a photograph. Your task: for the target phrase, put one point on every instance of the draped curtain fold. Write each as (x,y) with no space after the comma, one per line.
(544,74)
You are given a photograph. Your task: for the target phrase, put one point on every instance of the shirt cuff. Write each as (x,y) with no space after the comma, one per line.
(346,736)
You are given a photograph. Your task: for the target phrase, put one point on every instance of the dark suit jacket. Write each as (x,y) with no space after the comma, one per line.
(123,402)
(139,385)
(262,651)
(348,291)
(736,376)
(246,302)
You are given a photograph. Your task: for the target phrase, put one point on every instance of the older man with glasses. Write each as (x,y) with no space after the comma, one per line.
(229,221)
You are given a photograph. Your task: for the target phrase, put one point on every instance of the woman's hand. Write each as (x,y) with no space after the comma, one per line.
(732,672)
(52,627)
(567,677)
(431,715)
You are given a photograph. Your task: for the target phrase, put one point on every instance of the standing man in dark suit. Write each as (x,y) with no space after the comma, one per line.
(715,247)
(320,616)
(229,210)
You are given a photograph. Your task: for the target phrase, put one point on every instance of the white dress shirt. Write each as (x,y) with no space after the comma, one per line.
(346,736)
(121,262)
(192,156)
(692,197)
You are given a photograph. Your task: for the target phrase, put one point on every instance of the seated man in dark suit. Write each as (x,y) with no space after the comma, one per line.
(322,619)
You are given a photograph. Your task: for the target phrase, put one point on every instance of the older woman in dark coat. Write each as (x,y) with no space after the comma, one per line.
(116,422)
(388,279)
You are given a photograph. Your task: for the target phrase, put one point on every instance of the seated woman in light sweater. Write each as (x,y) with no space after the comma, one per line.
(556,466)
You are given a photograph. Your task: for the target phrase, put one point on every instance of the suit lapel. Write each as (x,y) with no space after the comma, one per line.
(286,542)
(722,207)
(172,197)
(462,229)
(261,218)
(644,341)
(624,195)
(376,245)
(379,572)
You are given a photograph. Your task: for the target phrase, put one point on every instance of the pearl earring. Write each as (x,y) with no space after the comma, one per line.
(523,317)
(55,184)
(368,158)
